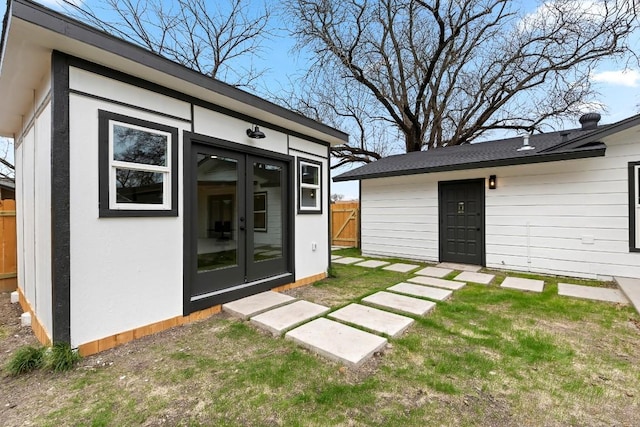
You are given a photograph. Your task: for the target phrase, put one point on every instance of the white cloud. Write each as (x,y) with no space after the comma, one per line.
(626,77)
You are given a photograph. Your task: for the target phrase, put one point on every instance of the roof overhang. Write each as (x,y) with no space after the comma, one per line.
(32,32)
(595,150)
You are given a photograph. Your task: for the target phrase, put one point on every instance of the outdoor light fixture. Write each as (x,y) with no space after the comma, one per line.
(493,183)
(255,133)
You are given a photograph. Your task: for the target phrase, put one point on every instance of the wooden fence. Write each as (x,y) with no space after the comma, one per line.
(8,245)
(345,224)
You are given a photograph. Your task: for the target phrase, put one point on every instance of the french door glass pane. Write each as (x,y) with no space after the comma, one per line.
(267,226)
(217,207)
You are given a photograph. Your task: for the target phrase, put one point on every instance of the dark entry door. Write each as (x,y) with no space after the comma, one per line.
(461,206)
(237,223)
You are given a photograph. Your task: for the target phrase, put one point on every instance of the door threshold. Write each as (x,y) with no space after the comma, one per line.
(239,287)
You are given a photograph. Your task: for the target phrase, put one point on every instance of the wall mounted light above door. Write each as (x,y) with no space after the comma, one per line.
(256,133)
(493,182)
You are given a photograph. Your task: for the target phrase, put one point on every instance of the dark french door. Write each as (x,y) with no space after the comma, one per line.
(461,205)
(237,224)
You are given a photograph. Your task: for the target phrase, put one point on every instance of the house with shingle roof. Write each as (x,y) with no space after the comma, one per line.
(565,203)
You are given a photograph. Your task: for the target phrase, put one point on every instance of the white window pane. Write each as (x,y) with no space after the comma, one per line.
(139,146)
(141,187)
(309,174)
(308,197)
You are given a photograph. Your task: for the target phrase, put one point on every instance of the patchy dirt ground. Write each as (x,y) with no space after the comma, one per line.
(474,362)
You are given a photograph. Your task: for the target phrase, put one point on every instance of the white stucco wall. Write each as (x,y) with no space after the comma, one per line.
(312,230)
(566,218)
(125,272)
(128,272)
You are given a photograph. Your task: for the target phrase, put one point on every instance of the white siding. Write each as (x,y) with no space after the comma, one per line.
(567,218)
(33,204)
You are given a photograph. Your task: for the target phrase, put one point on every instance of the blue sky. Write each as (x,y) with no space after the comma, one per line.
(618,84)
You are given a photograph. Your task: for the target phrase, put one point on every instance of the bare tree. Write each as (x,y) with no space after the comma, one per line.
(7,168)
(206,36)
(446,72)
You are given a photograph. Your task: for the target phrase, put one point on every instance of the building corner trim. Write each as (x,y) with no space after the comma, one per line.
(60,200)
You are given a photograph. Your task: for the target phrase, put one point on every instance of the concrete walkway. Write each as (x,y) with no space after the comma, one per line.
(631,289)
(353,334)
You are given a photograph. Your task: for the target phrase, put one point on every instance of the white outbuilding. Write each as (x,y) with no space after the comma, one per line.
(149,194)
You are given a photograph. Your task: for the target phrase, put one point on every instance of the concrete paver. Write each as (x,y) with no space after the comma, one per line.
(334,257)
(256,304)
(401,267)
(373,319)
(592,292)
(400,303)
(459,267)
(519,283)
(337,341)
(433,272)
(421,291)
(631,289)
(372,263)
(440,283)
(470,276)
(288,316)
(348,260)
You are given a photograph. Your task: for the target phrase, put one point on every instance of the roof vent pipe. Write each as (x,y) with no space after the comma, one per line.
(589,121)
(525,143)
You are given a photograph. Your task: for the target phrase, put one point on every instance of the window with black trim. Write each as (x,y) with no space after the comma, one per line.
(260,211)
(309,186)
(634,206)
(138,167)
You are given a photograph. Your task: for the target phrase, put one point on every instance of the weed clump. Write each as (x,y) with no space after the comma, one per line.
(60,357)
(26,359)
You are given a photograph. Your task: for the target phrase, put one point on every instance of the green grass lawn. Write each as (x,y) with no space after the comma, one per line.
(488,356)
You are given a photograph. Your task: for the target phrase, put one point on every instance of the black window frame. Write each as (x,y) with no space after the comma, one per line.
(306,210)
(104,165)
(634,189)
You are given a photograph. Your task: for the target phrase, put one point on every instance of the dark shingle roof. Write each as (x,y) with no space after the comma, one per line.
(552,146)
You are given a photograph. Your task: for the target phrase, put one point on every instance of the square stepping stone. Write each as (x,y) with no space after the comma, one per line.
(433,272)
(459,267)
(523,284)
(592,293)
(402,303)
(373,319)
(256,304)
(348,260)
(470,276)
(336,341)
(334,257)
(401,267)
(372,263)
(288,316)
(421,291)
(440,283)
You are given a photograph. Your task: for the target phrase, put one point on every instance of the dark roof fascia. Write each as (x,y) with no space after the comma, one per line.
(593,151)
(597,134)
(68,27)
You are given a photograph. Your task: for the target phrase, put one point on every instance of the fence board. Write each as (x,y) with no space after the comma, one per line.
(8,245)
(345,223)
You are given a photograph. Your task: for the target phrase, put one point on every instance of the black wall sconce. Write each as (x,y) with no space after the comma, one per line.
(493,182)
(255,133)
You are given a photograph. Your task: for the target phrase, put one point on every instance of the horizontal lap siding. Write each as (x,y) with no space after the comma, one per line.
(400,217)
(566,218)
